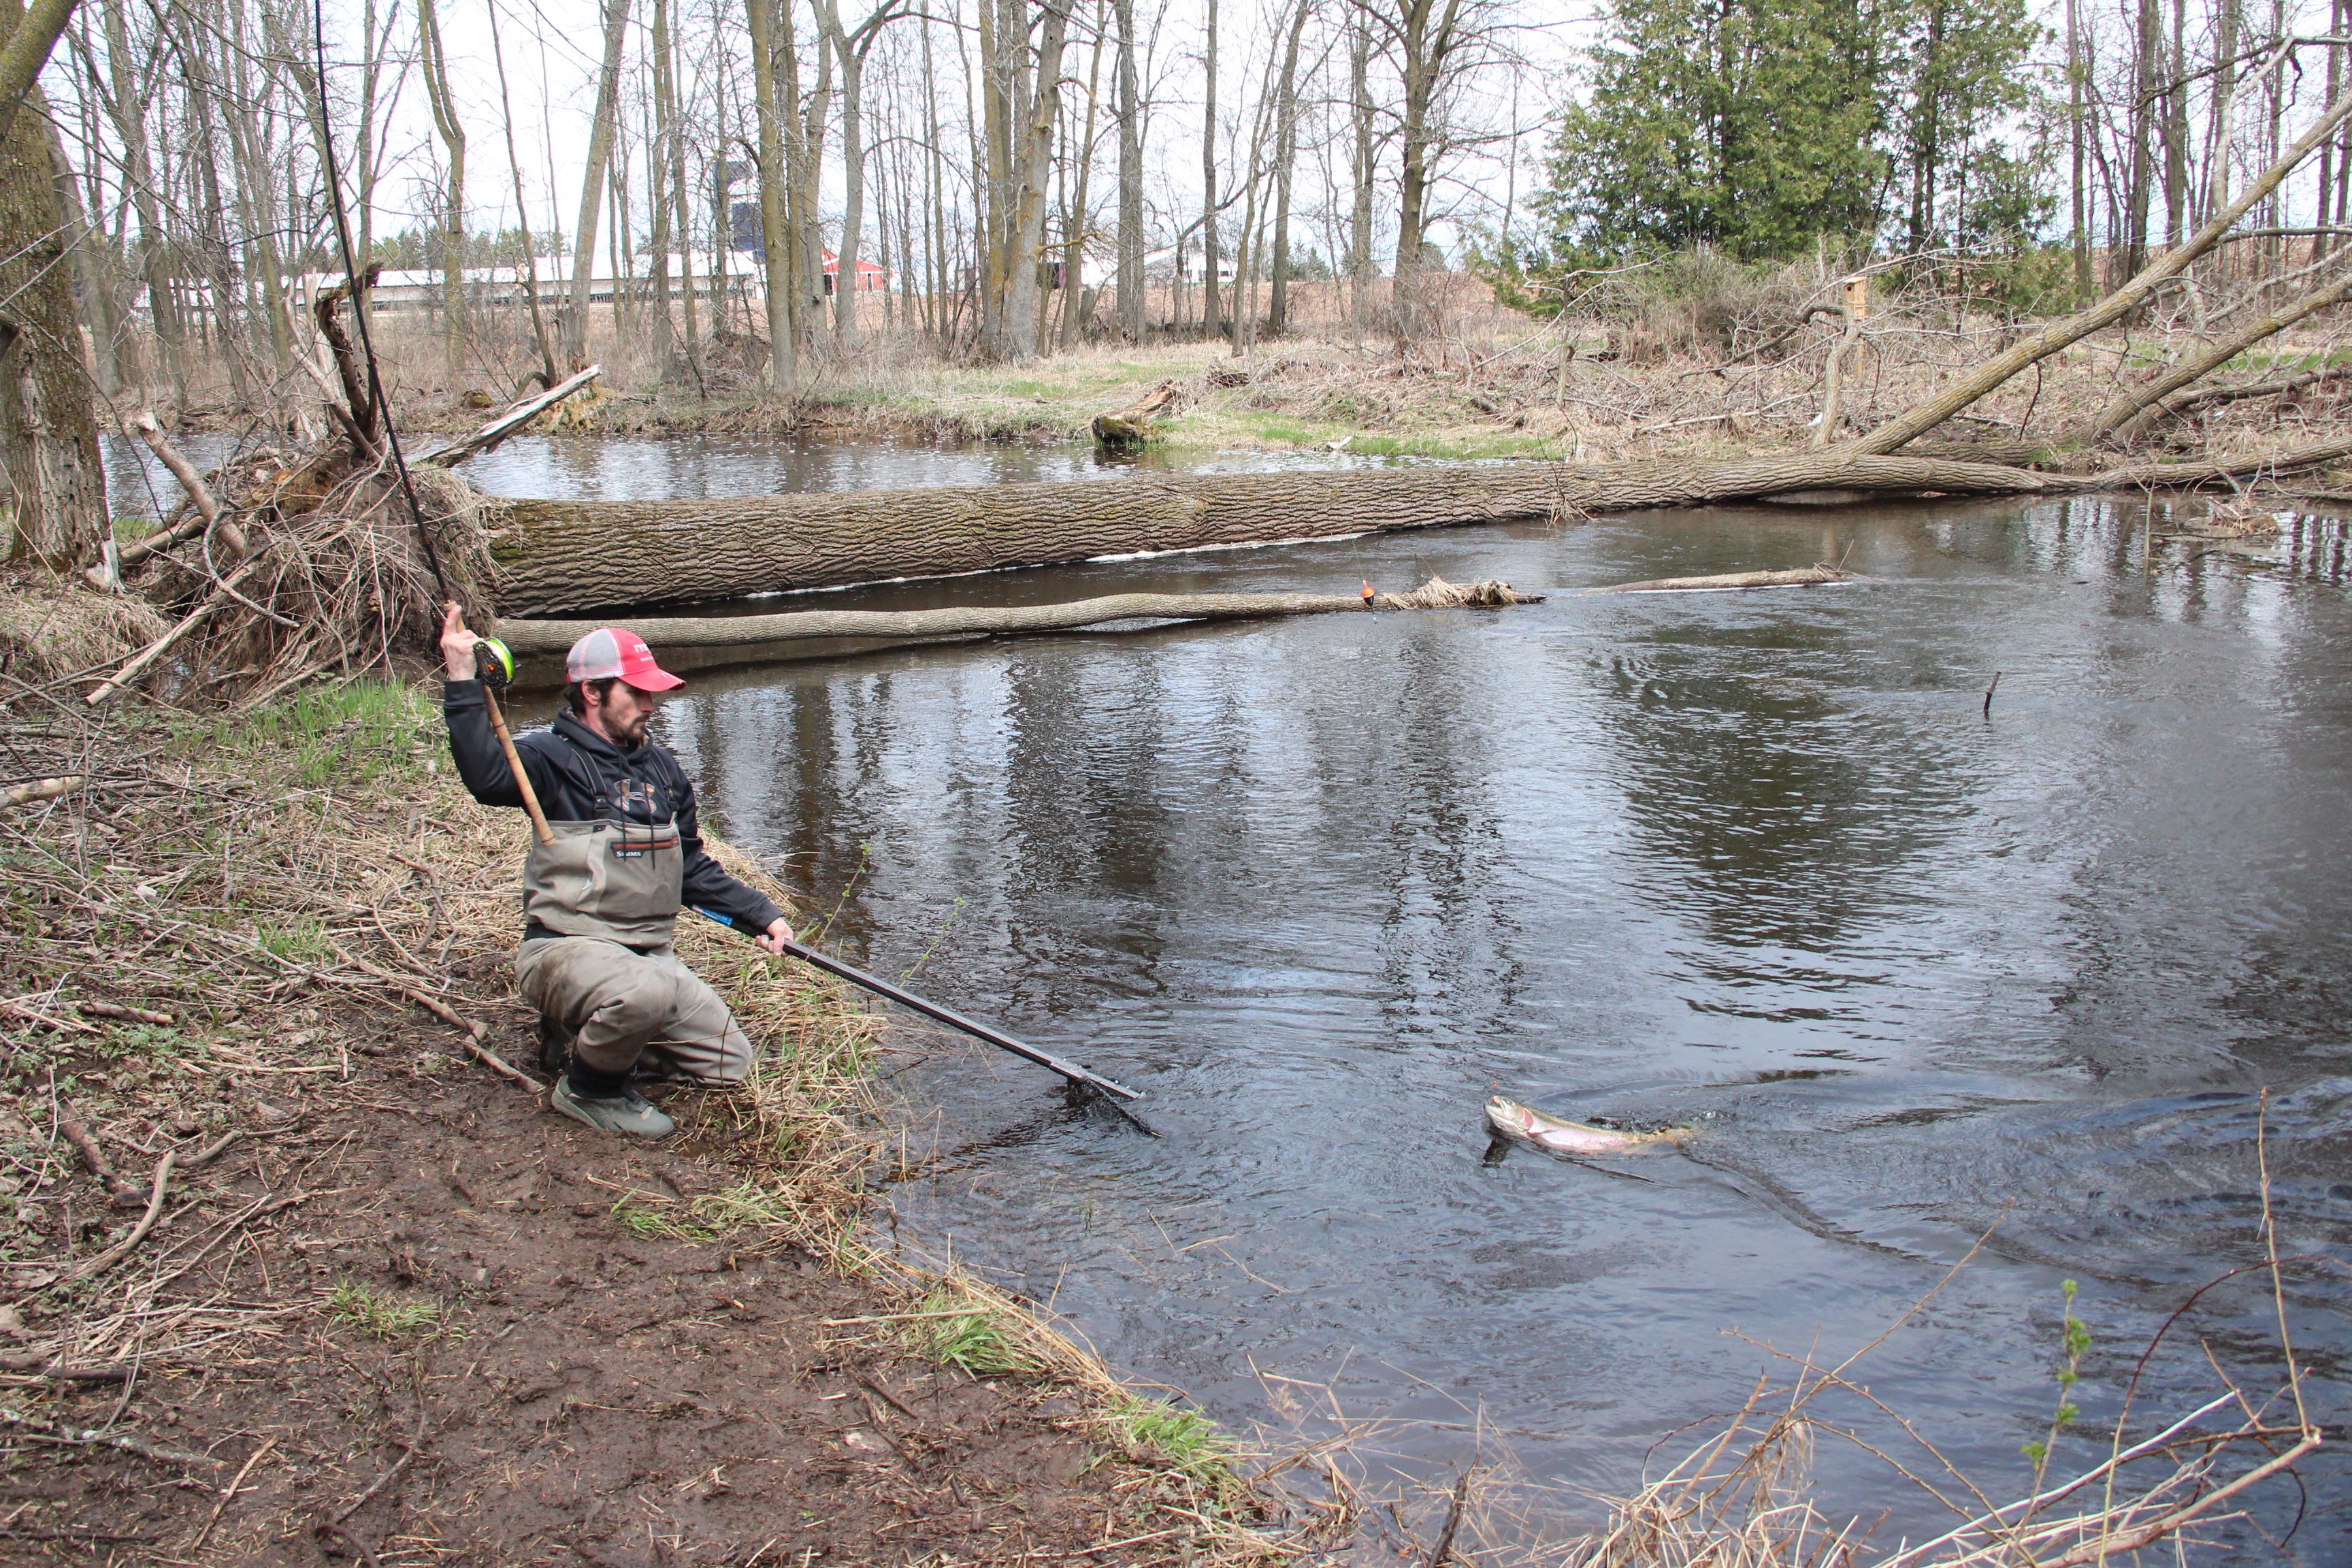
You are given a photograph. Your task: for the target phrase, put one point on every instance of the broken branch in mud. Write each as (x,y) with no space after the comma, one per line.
(94,1156)
(123,1248)
(473,1034)
(127,1013)
(690,642)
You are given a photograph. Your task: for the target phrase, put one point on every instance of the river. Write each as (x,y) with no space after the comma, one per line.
(1756,864)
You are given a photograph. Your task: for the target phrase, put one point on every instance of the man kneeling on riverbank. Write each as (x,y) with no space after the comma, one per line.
(599,904)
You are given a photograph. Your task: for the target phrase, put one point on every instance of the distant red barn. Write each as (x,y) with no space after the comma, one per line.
(871,278)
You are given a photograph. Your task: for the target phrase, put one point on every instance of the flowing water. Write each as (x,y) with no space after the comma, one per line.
(1758,864)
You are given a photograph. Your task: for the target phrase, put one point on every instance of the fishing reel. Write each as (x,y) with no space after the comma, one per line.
(494,664)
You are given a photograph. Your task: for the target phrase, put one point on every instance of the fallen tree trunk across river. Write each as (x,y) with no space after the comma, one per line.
(557,557)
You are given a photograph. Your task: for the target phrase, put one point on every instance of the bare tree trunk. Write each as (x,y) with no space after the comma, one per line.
(674,139)
(1359,220)
(591,185)
(623,249)
(2175,127)
(48,442)
(1209,182)
(1023,102)
(783,357)
(2080,220)
(566,556)
(1130,179)
(657,238)
(529,270)
(24,55)
(703,641)
(89,268)
(2145,41)
(453,214)
(126,106)
(1074,215)
(2225,96)
(851,49)
(935,232)
(1285,154)
(806,149)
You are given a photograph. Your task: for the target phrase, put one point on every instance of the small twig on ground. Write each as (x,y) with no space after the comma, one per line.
(54,1432)
(409,1450)
(229,1492)
(121,1249)
(126,1013)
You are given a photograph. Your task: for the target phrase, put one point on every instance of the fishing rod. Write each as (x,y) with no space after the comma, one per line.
(493,663)
(1078,1077)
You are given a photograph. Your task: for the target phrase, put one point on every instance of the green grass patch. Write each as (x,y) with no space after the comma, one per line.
(1183,1441)
(356,733)
(973,1339)
(658,1225)
(1273,427)
(302,940)
(382,1314)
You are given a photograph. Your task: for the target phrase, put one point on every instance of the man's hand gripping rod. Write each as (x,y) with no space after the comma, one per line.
(494,667)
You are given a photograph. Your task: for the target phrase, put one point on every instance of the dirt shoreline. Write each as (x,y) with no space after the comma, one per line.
(407,1315)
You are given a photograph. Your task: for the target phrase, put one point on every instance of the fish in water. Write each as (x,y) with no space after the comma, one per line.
(1574,1139)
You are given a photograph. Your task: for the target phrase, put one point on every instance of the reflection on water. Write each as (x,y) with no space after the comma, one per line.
(661,468)
(1754,862)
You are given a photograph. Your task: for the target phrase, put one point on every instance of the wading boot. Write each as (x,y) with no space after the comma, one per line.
(627,1111)
(555,1047)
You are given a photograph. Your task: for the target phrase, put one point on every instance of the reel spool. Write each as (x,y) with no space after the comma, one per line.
(494,664)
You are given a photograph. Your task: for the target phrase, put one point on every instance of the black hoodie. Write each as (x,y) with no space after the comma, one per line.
(579,776)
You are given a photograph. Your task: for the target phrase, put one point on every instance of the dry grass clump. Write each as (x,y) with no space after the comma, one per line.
(53,630)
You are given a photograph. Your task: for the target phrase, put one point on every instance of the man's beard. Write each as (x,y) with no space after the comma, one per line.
(629,732)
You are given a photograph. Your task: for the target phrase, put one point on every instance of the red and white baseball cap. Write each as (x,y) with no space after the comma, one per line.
(610,653)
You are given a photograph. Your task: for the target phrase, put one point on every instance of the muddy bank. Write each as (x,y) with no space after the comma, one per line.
(394,1311)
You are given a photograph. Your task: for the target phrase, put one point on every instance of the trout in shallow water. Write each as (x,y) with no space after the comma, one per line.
(1575,1139)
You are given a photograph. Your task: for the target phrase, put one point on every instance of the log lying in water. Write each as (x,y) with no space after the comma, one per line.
(1801,577)
(697,642)
(561,557)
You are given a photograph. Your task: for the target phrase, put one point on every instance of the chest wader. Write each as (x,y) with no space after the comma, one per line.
(615,880)
(606,983)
